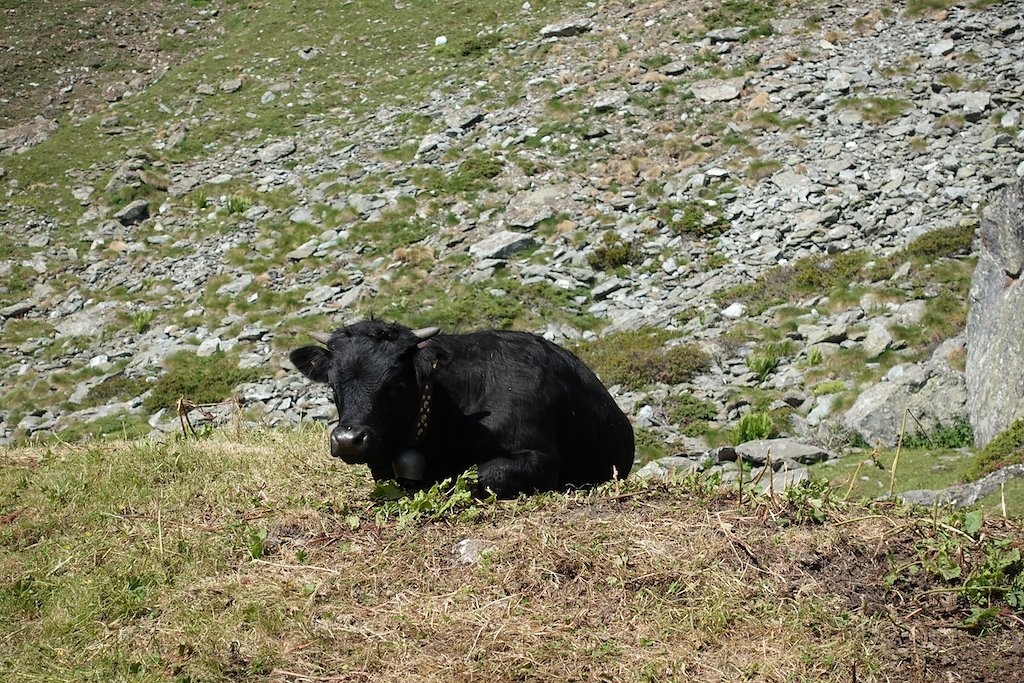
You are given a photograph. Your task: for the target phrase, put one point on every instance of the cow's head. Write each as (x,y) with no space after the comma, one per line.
(379,373)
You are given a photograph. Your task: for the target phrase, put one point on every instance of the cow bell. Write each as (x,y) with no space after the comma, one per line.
(410,464)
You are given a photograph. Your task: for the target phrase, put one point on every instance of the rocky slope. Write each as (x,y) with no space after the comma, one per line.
(713,149)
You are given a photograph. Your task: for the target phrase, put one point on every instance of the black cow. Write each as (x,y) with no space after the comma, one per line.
(421,406)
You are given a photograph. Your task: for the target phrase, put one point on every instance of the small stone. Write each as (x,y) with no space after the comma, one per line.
(208,347)
(941,48)
(470,550)
(205,89)
(718,90)
(304,251)
(734,311)
(231,85)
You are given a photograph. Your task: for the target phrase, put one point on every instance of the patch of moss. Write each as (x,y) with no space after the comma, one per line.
(649,444)
(116,387)
(696,217)
(1005,449)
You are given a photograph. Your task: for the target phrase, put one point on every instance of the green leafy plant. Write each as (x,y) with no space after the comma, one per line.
(762,365)
(983,569)
(236,204)
(696,217)
(690,414)
(446,499)
(957,434)
(829,387)
(753,426)
(141,321)
(814,356)
(809,501)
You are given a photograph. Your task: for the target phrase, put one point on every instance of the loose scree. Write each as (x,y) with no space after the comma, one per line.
(421,406)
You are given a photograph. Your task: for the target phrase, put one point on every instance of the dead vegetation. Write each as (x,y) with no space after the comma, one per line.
(211,560)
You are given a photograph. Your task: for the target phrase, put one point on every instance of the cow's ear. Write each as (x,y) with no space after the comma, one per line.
(427,360)
(311,361)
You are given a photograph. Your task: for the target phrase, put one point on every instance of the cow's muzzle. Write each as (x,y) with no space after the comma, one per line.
(353,444)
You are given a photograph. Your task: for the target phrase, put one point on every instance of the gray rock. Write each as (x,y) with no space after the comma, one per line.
(533,206)
(608,101)
(941,48)
(19,138)
(277,150)
(567,27)
(878,339)
(779,480)
(727,35)
(236,286)
(135,212)
(231,85)
(734,311)
(464,119)
(973,103)
(756,452)
(995,318)
(501,245)
(430,142)
(963,495)
(89,321)
(675,68)
(303,251)
(933,392)
(718,90)
(674,465)
(470,550)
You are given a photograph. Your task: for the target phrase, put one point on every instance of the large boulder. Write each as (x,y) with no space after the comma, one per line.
(934,391)
(995,320)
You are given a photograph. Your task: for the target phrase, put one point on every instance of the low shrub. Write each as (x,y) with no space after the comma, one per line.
(199,379)
(637,359)
(612,252)
(690,414)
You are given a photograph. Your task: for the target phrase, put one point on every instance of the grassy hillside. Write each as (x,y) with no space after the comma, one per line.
(263,560)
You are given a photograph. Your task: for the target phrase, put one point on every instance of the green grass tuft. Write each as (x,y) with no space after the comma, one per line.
(640,358)
(198,379)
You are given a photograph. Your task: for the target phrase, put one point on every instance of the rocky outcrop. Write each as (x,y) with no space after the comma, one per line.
(17,139)
(995,322)
(962,495)
(934,392)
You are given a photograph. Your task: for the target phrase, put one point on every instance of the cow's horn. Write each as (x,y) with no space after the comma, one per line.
(322,337)
(426,332)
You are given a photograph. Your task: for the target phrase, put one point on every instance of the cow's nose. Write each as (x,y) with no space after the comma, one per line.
(350,443)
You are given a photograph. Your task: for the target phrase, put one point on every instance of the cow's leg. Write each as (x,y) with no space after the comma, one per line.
(522,471)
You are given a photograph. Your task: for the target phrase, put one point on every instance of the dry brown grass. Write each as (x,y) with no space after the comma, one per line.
(629,583)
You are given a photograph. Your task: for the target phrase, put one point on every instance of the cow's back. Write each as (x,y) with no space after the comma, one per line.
(554,390)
